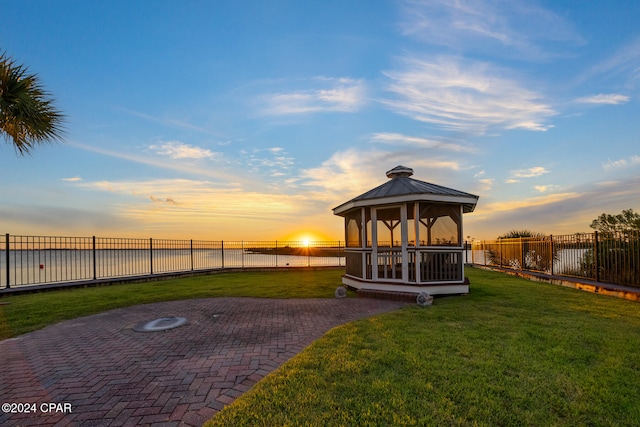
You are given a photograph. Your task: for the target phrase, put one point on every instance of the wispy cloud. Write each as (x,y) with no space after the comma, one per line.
(527,203)
(604,98)
(275,160)
(400,139)
(73,179)
(180,150)
(210,172)
(560,213)
(529,173)
(167,200)
(500,28)
(545,188)
(83,220)
(198,197)
(170,122)
(336,94)
(485,184)
(466,96)
(625,60)
(622,163)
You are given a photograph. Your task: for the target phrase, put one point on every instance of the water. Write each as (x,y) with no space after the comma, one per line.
(53,266)
(567,260)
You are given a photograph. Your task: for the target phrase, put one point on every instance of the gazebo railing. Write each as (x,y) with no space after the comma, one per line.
(389,264)
(436,265)
(424,264)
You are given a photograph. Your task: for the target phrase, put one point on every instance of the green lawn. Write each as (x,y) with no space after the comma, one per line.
(511,353)
(29,312)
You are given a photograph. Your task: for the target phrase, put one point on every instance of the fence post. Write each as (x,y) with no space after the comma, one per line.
(308,256)
(150,255)
(500,250)
(551,252)
(7,259)
(242,253)
(191,253)
(276,253)
(596,255)
(465,253)
(222,250)
(93,251)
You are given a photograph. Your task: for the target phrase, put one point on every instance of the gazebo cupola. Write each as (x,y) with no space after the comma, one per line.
(406,236)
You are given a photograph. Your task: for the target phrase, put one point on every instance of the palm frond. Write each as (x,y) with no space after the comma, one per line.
(27,114)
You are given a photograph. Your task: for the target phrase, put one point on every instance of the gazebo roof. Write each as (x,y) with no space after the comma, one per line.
(401,188)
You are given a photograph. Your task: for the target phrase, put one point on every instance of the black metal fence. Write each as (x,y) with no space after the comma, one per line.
(603,257)
(31,260)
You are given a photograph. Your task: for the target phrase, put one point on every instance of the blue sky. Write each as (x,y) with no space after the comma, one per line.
(253,119)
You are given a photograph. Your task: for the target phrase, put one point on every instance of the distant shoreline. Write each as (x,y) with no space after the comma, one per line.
(334,251)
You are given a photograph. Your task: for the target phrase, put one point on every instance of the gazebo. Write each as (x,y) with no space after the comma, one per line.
(405,236)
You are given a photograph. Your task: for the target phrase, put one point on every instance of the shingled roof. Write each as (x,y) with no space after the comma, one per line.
(401,188)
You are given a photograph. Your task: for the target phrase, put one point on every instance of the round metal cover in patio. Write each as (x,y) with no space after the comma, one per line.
(161,324)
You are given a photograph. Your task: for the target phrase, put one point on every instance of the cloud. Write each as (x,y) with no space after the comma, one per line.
(622,163)
(223,169)
(180,150)
(74,179)
(199,208)
(199,200)
(345,172)
(528,203)
(513,28)
(625,60)
(545,188)
(168,200)
(101,185)
(400,139)
(220,173)
(611,99)
(170,122)
(529,173)
(349,173)
(466,96)
(42,219)
(338,95)
(485,184)
(560,213)
(276,161)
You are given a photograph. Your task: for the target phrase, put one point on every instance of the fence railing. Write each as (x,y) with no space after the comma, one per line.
(31,260)
(603,257)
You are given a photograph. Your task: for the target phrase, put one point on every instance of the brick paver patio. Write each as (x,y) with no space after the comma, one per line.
(107,374)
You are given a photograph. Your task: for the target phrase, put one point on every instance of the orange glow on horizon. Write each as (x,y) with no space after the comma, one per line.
(308,237)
